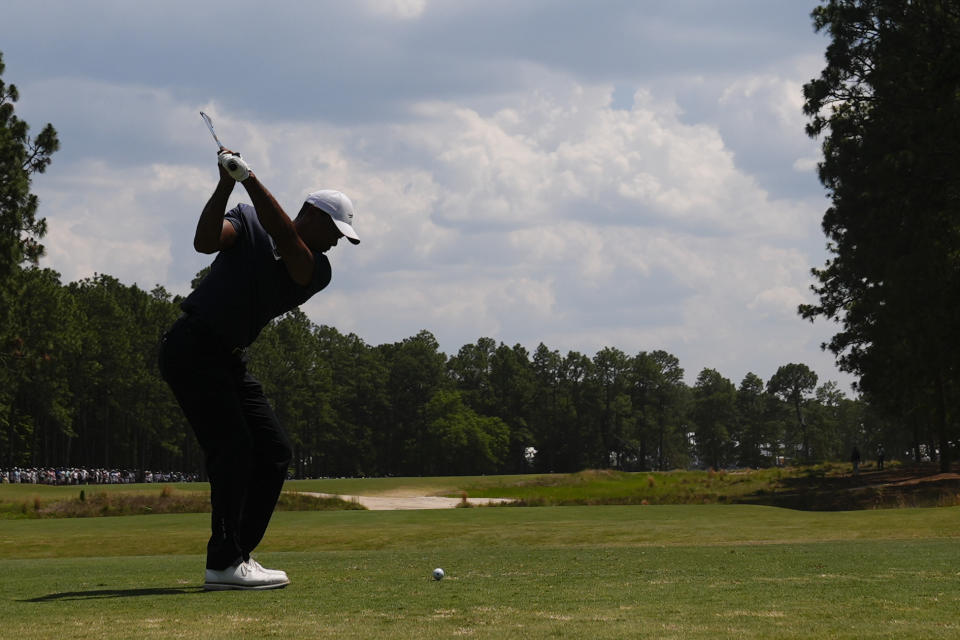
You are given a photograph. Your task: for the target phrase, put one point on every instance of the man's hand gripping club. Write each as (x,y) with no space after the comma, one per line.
(234,165)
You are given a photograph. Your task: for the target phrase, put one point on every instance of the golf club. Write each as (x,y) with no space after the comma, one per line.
(209,124)
(231,165)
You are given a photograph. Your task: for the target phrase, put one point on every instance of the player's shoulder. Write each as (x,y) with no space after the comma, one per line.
(242,216)
(243,210)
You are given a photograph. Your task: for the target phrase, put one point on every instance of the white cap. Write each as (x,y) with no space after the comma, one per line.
(339,207)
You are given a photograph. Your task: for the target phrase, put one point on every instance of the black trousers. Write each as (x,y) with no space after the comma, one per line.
(247,451)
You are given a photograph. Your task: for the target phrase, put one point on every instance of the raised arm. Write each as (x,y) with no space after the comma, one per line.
(296,255)
(213,232)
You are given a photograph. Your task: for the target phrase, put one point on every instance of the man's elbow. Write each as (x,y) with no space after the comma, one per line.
(202,246)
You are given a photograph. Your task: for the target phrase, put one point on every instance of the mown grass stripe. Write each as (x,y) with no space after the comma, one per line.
(616,526)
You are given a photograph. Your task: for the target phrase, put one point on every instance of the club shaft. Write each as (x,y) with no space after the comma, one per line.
(209,123)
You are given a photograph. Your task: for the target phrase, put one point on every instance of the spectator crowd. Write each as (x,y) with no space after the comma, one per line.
(90,476)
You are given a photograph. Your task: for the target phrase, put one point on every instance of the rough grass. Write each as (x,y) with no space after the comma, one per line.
(91,502)
(596,487)
(825,487)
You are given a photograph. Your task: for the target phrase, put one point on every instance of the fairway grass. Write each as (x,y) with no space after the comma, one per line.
(573,572)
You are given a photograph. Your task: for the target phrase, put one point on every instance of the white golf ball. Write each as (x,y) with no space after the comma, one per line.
(438,574)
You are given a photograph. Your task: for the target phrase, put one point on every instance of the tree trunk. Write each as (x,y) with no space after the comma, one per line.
(916,439)
(803,432)
(942,435)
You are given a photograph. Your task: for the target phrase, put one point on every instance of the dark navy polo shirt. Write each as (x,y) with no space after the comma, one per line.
(248,284)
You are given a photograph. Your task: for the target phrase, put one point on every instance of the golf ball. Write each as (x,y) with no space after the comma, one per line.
(438,574)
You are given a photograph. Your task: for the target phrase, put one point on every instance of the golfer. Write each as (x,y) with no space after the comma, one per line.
(266,265)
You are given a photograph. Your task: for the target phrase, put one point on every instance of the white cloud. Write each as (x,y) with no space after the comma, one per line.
(499,190)
(611,166)
(779,300)
(119,220)
(779,96)
(400,9)
(633,227)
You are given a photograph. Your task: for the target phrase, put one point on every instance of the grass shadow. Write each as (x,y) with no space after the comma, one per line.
(842,490)
(98,594)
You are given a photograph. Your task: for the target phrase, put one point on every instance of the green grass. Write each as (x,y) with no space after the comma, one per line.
(16,499)
(616,487)
(821,487)
(584,488)
(110,500)
(714,571)
(19,492)
(829,486)
(684,570)
(836,590)
(468,529)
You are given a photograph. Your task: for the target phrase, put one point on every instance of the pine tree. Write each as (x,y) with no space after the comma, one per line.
(888,106)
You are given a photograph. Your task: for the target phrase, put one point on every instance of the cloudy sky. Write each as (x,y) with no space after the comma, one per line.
(627,173)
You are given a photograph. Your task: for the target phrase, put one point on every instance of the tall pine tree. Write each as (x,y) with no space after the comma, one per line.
(888,107)
(20,233)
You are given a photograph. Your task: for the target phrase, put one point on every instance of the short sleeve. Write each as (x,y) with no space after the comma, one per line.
(235,218)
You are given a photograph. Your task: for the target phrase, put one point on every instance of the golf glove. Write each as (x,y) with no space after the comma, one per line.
(238,169)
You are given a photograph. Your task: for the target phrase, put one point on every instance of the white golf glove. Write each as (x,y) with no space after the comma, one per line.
(238,169)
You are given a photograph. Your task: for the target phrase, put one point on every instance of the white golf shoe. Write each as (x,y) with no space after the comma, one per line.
(245,575)
(279,574)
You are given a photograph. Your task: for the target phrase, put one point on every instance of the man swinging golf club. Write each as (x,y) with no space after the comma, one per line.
(267,264)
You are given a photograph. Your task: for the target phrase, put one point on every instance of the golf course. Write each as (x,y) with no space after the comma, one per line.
(600,570)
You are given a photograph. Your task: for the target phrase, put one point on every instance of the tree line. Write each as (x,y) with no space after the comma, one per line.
(81,387)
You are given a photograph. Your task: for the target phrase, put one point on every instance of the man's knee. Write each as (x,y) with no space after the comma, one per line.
(286,454)
(275,450)
(283,455)
(229,463)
